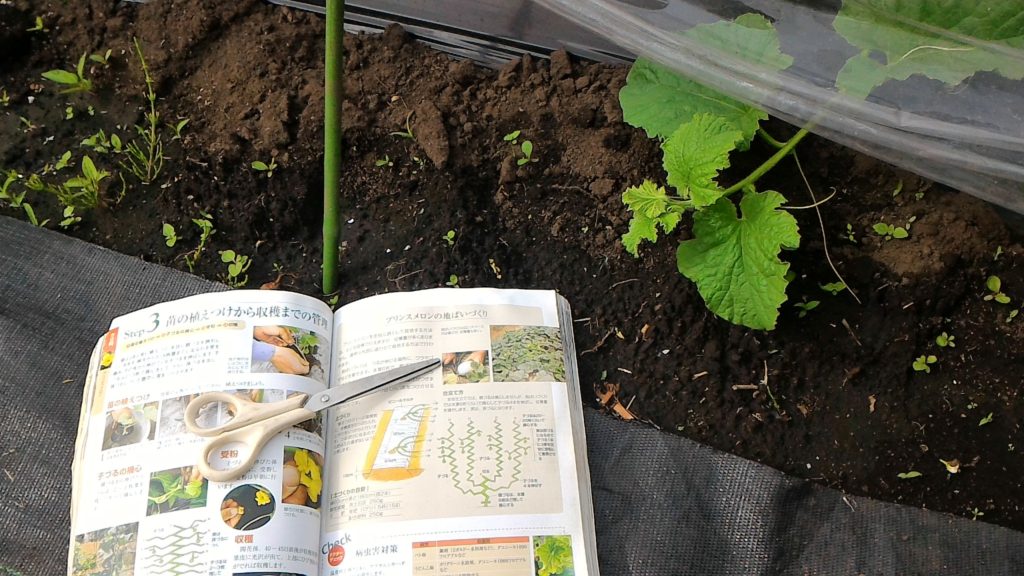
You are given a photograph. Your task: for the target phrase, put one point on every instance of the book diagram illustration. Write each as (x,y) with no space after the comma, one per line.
(178,550)
(397,447)
(482,462)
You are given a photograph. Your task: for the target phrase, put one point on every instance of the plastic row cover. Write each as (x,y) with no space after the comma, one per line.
(933,86)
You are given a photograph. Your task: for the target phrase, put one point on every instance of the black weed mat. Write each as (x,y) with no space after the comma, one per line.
(664,505)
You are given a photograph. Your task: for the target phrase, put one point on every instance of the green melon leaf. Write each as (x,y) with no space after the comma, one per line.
(650,206)
(658,100)
(648,199)
(554,556)
(694,155)
(947,40)
(735,261)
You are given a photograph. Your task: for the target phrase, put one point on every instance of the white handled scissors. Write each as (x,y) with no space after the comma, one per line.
(254,424)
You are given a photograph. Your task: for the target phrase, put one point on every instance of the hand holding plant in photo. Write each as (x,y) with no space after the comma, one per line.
(301,479)
(176,489)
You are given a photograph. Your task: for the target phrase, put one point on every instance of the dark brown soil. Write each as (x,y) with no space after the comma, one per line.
(830,396)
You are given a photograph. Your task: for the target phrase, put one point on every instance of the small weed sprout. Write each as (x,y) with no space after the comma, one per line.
(975,513)
(206,229)
(84,190)
(268,169)
(69,217)
(849,233)
(899,188)
(1013,314)
(39,26)
(834,288)
(453,281)
(923,363)
(944,340)
(5,98)
(909,475)
(101,59)
(995,288)
(102,144)
(170,236)
(527,148)
(987,419)
(238,264)
(952,466)
(63,162)
(407,133)
(27,124)
(74,80)
(146,161)
(382,162)
(999,252)
(888,231)
(31,215)
(806,307)
(7,194)
(176,128)
(69,112)
(449,237)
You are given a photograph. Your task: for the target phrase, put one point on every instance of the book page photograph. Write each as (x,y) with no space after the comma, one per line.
(143,507)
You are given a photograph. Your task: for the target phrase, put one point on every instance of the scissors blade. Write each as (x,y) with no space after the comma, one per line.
(361,386)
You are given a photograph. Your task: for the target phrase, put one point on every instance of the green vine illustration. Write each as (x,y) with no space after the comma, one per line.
(178,553)
(470,463)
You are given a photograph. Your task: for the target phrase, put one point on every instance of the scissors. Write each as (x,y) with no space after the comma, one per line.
(254,424)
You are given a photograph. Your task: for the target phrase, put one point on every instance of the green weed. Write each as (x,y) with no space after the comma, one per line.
(74,80)
(238,264)
(268,169)
(146,161)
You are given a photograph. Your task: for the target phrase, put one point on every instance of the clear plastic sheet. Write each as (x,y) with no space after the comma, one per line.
(933,86)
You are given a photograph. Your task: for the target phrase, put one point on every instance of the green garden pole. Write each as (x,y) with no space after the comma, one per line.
(334,94)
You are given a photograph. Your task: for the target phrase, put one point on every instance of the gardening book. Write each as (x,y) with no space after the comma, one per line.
(477,468)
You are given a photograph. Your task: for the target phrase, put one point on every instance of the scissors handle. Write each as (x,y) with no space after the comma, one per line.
(255,436)
(252,424)
(243,411)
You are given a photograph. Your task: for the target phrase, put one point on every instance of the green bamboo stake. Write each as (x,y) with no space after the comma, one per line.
(334,94)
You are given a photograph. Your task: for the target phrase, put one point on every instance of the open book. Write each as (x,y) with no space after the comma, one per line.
(477,468)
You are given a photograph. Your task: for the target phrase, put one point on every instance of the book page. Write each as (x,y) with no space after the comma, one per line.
(140,504)
(468,470)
